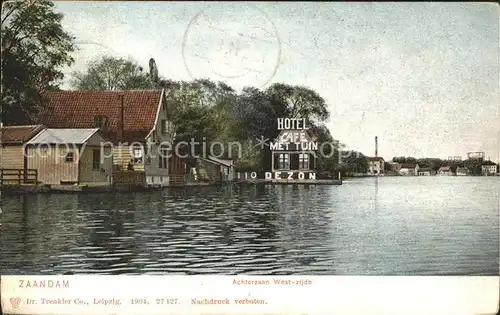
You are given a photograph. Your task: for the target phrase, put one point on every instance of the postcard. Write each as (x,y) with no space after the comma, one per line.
(249,158)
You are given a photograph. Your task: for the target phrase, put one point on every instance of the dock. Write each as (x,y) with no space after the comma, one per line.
(305,182)
(292,181)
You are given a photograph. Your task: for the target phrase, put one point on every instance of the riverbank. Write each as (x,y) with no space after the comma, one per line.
(61,189)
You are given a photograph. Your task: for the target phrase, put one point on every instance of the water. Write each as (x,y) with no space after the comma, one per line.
(389,226)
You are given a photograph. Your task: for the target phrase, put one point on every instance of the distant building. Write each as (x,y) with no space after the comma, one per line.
(425,172)
(409,169)
(445,170)
(489,169)
(463,171)
(475,155)
(376,165)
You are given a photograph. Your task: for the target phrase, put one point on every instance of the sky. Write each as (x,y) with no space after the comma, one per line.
(422,77)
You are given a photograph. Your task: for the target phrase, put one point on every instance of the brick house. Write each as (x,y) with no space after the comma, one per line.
(136,122)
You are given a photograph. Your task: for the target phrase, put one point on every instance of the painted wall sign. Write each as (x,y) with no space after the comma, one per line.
(293,136)
(285,175)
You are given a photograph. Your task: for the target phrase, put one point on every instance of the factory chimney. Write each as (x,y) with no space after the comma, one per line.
(376,146)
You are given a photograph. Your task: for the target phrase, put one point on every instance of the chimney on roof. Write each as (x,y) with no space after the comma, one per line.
(121,122)
(376,146)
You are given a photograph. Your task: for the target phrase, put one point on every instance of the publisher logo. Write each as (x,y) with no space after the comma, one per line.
(15,302)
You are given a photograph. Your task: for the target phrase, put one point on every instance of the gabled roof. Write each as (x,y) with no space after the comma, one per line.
(18,134)
(78,109)
(225,162)
(488,162)
(408,165)
(63,136)
(376,158)
(445,168)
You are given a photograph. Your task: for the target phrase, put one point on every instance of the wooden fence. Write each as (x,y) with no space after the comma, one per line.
(18,176)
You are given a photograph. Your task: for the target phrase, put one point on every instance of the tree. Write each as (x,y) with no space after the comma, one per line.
(298,101)
(110,73)
(34,49)
(202,109)
(327,157)
(353,162)
(474,166)
(399,159)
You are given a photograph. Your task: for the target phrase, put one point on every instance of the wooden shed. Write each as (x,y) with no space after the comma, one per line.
(12,140)
(71,156)
(13,162)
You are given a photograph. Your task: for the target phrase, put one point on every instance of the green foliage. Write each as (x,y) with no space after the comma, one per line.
(202,109)
(34,48)
(353,162)
(110,73)
(298,101)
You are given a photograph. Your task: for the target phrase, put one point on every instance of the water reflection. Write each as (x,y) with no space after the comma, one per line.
(373,226)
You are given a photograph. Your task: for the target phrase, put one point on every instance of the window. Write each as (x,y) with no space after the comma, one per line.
(304,161)
(96,159)
(70,157)
(99,121)
(284,161)
(162,158)
(137,154)
(164,126)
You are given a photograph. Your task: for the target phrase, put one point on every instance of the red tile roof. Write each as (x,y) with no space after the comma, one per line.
(78,109)
(19,134)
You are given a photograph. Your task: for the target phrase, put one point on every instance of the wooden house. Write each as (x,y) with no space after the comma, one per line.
(445,171)
(213,169)
(488,168)
(13,139)
(13,162)
(226,166)
(136,123)
(71,156)
(425,171)
(409,169)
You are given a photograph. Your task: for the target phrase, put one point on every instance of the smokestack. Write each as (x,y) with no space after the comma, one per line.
(376,146)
